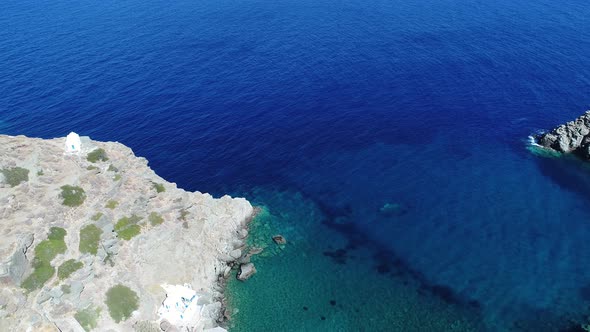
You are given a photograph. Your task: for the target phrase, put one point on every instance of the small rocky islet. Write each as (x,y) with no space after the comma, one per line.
(571,137)
(89,238)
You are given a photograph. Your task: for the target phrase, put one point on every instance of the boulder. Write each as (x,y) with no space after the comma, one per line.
(237,253)
(226,271)
(225,258)
(279,239)
(242,233)
(246,271)
(245,259)
(165,325)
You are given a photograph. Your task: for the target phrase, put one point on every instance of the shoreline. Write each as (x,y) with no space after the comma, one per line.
(224,316)
(169,236)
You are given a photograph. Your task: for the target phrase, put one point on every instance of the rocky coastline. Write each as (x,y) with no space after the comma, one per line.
(77,227)
(571,137)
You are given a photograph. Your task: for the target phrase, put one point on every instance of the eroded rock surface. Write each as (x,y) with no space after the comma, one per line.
(573,136)
(246,271)
(183,236)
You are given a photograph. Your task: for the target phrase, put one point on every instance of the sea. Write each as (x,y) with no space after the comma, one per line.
(386,140)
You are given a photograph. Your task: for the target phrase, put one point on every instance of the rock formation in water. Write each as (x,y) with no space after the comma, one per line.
(246,271)
(88,239)
(279,239)
(573,137)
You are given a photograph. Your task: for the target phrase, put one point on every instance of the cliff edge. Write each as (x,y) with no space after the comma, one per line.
(88,238)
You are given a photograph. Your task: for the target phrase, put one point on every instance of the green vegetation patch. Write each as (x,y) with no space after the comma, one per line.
(40,172)
(91,168)
(112,168)
(41,273)
(97,216)
(67,289)
(121,301)
(88,318)
(111,204)
(97,155)
(146,326)
(15,175)
(89,238)
(127,227)
(117,177)
(155,219)
(159,187)
(57,233)
(68,267)
(45,252)
(72,195)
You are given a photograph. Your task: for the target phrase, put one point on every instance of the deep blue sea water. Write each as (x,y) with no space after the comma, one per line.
(385,139)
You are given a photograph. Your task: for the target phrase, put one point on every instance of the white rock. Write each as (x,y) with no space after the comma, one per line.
(237,253)
(246,271)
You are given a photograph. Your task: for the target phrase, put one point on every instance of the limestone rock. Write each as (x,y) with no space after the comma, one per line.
(166,326)
(14,260)
(237,253)
(160,250)
(246,271)
(226,271)
(76,289)
(56,292)
(43,297)
(242,233)
(68,324)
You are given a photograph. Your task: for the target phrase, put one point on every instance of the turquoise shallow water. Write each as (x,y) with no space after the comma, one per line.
(308,285)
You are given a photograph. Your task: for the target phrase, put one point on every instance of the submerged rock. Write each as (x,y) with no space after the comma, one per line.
(574,137)
(246,271)
(393,210)
(255,251)
(279,239)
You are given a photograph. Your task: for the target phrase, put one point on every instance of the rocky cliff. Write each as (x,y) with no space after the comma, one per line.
(74,227)
(573,137)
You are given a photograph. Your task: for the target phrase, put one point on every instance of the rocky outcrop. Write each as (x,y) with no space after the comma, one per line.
(16,264)
(246,271)
(572,137)
(179,236)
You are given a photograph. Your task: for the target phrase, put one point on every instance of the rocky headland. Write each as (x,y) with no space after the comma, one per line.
(571,137)
(89,238)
